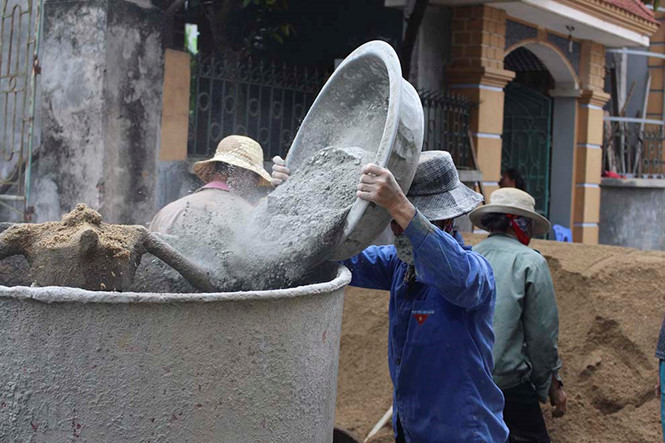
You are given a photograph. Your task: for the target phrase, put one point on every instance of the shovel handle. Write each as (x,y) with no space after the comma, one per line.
(386,417)
(192,272)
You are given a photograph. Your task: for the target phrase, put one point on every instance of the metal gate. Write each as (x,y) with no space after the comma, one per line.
(268,101)
(447,125)
(19,44)
(265,101)
(527,119)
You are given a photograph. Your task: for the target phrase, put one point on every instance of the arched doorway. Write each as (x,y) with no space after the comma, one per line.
(527,125)
(539,126)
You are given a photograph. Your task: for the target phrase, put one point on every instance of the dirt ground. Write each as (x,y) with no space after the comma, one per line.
(611,303)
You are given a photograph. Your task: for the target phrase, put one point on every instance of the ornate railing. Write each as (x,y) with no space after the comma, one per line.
(634,150)
(265,101)
(268,101)
(447,125)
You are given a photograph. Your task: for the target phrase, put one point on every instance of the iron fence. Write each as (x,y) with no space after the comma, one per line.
(633,150)
(265,101)
(268,101)
(447,125)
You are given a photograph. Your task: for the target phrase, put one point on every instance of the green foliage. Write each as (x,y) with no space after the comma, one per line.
(270,25)
(242,27)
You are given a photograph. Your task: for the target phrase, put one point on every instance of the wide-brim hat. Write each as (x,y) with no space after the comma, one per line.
(437,191)
(236,150)
(512,201)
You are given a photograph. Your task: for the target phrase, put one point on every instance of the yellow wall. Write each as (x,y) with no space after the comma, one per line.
(175,109)
(477,72)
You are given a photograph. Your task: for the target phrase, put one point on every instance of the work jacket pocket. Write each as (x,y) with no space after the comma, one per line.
(425,323)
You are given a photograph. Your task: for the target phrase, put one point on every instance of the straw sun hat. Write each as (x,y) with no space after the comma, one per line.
(512,201)
(236,150)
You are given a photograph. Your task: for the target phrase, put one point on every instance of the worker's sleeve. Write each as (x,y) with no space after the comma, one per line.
(463,277)
(372,268)
(541,326)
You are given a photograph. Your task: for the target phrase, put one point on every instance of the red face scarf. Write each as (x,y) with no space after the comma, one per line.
(522,235)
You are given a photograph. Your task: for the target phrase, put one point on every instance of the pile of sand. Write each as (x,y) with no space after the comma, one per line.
(36,239)
(611,303)
(79,251)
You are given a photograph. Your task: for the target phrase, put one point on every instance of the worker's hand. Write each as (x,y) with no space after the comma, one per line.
(378,185)
(280,173)
(557,399)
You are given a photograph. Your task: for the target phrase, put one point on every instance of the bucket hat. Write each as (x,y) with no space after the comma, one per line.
(436,190)
(236,150)
(512,201)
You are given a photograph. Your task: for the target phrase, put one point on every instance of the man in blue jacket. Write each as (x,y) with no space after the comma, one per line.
(441,306)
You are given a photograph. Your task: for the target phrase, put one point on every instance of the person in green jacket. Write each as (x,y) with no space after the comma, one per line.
(526,320)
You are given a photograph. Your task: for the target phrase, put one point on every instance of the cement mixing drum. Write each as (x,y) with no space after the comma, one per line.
(366,104)
(115,367)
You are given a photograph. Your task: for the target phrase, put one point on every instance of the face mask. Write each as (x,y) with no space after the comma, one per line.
(522,228)
(447,226)
(404,249)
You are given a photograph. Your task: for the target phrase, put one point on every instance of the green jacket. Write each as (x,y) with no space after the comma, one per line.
(526,320)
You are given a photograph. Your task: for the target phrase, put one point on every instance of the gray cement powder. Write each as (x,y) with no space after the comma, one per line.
(296,228)
(283,242)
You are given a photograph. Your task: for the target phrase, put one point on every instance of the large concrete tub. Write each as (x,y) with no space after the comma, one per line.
(226,367)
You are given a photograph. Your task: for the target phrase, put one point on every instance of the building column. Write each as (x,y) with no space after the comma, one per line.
(102,79)
(588,166)
(588,152)
(564,141)
(476,72)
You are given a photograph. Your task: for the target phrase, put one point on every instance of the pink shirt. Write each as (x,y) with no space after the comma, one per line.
(217,185)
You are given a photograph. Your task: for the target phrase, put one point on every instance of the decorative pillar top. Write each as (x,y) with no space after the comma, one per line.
(480,75)
(594,97)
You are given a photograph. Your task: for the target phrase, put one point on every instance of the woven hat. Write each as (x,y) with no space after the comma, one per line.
(236,150)
(436,190)
(512,201)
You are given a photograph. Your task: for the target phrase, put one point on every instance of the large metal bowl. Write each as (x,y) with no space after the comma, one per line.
(367,104)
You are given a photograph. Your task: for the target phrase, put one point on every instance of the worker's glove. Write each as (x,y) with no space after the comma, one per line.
(280,173)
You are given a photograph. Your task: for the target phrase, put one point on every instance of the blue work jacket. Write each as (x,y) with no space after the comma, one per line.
(440,337)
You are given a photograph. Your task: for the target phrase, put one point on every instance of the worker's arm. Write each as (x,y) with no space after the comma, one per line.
(541,326)
(463,277)
(372,268)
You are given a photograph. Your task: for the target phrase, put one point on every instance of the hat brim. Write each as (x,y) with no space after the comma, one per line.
(447,205)
(541,225)
(203,169)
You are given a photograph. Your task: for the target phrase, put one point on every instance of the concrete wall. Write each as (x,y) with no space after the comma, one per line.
(102,74)
(432,52)
(631,213)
